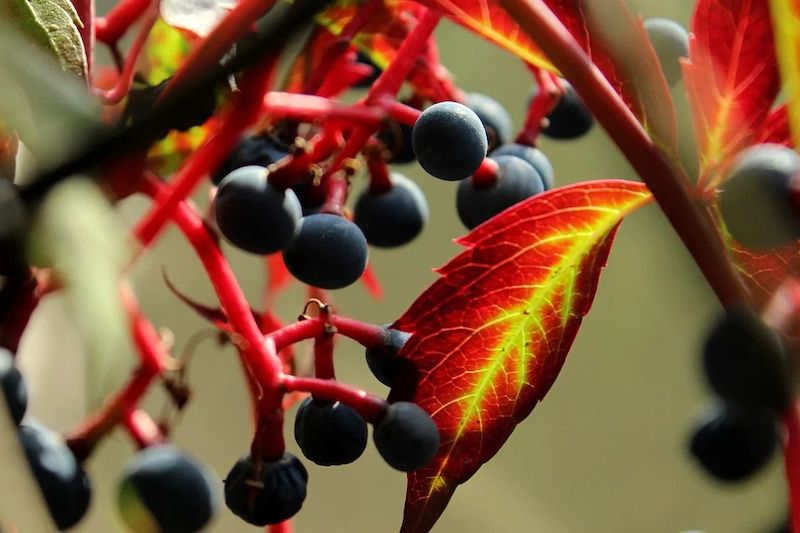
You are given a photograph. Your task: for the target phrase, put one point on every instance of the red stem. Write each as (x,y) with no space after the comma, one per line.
(371,408)
(550,90)
(379,181)
(153,358)
(334,50)
(390,81)
(309,108)
(693,223)
(283,527)
(123,86)
(239,115)
(142,429)
(368,335)
(236,24)
(487,173)
(323,355)
(261,363)
(791,460)
(111,27)
(402,113)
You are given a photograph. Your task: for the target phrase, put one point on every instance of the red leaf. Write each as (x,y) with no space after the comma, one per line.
(732,76)
(765,271)
(490,335)
(775,128)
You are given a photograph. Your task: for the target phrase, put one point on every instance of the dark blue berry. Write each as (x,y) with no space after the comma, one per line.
(382,361)
(743,362)
(755,200)
(328,251)
(733,443)
(449,141)
(252,214)
(494,117)
(171,489)
(329,433)
(534,157)
(394,217)
(263,493)
(63,482)
(260,150)
(516,181)
(14,390)
(407,438)
(570,118)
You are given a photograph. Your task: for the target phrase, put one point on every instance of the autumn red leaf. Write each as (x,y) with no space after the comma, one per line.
(775,128)
(786,21)
(731,77)
(490,335)
(764,271)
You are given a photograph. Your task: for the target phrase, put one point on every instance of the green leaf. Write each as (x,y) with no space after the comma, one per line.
(49,108)
(77,232)
(53,25)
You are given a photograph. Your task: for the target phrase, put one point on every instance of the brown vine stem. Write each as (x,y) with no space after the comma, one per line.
(691,221)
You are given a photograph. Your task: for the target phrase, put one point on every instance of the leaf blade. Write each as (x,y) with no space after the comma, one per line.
(731,88)
(786,23)
(496,326)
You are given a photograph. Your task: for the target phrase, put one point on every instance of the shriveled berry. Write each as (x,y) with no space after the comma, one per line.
(755,199)
(328,251)
(733,443)
(382,361)
(743,362)
(449,141)
(163,487)
(63,482)
(329,433)
(670,42)
(394,217)
(494,117)
(14,389)
(516,181)
(259,150)
(266,493)
(407,438)
(534,157)
(252,214)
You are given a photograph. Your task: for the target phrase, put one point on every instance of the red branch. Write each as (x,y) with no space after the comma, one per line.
(371,408)
(110,28)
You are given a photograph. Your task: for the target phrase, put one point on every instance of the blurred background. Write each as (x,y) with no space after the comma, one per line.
(605,452)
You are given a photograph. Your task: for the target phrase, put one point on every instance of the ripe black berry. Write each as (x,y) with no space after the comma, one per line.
(330,433)
(407,438)
(534,157)
(494,117)
(169,488)
(743,362)
(449,141)
(394,217)
(382,361)
(63,482)
(516,181)
(252,214)
(670,42)
(570,118)
(755,201)
(328,251)
(266,493)
(732,443)
(14,390)
(260,150)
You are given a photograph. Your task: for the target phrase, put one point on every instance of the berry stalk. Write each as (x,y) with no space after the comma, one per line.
(671,190)
(112,26)
(370,407)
